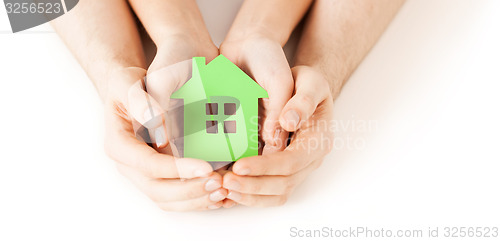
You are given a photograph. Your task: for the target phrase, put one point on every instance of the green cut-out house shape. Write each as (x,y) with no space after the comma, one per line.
(220,120)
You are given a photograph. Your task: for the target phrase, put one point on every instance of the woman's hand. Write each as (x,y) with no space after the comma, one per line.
(269,179)
(175,184)
(171,68)
(103,37)
(264,60)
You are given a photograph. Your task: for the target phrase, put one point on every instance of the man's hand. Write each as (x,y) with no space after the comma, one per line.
(331,54)
(269,179)
(254,43)
(103,37)
(174,184)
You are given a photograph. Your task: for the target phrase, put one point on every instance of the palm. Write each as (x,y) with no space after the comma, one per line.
(265,61)
(170,70)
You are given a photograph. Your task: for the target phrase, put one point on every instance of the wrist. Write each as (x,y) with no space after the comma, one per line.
(255,31)
(180,48)
(187,40)
(234,44)
(188,34)
(274,19)
(164,19)
(185,25)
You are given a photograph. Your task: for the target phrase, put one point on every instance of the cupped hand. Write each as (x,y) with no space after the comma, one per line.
(170,69)
(264,60)
(174,184)
(269,179)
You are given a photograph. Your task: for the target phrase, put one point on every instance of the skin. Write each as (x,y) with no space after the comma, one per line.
(107,45)
(329,51)
(254,43)
(112,55)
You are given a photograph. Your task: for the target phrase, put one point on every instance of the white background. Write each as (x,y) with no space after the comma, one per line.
(431,84)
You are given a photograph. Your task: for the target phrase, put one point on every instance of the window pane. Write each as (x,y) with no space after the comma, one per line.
(212,127)
(212,108)
(230,109)
(229,126)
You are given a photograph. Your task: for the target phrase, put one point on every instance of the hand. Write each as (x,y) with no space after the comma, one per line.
(269,179)
(170,69)
(160,176)
(264,60)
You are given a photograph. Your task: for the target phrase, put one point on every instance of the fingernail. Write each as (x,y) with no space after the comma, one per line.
(235,196)
(292,118)
(216,196)
(160,136)
(243,172)
(233,185)
(212,185)
(232,205)
(213,206)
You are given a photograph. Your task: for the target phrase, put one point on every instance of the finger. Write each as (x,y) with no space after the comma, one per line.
(280,143)
(306,99)
(216,205)
(136,105)
(279,93)
(162,83)
(228,203)
(202,203)
(257,200)
(148,112)
(143,107)
(122,145)
(168,190)
(271,70)
(267,185)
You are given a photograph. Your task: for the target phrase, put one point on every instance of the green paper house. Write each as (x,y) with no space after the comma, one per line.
(220,111)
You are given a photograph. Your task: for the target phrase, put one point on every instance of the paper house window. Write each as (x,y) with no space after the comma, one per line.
(212,127)
(230,109)
(212,110)
(229,126)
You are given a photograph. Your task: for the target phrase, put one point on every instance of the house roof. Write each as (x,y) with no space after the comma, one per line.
(218,78)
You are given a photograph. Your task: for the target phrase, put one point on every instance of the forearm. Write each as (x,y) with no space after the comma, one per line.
(275,19)
(103,37)
(338,34)
(164,19)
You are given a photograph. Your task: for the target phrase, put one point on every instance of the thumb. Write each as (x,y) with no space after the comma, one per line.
(278,81)
(306,99)
(146,115)
(143,108)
